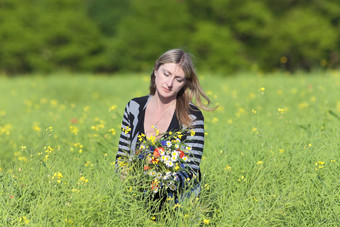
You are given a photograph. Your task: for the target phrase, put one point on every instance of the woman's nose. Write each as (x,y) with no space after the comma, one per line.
(170,82)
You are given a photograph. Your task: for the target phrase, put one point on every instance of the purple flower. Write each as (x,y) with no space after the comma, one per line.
(163,142)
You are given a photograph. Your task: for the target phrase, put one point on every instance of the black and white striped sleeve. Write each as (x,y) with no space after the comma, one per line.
(124,139)
(196,142)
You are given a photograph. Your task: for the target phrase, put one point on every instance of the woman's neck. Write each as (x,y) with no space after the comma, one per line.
(162,103)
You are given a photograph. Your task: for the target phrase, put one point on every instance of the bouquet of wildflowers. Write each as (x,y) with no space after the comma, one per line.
(159,160)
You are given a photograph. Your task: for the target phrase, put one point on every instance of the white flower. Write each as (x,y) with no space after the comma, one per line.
(174,158)
(185,158)
(169,163)
(168,143)
(152,173)
(161,152)
(174,153)
(176,146)
(188,148)
(165,158)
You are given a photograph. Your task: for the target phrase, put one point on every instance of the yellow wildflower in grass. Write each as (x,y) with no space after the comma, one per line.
(2,113)
(319,165)
(22,158)
(112,131)
(75,190)
(82,180)
(74,130)
(206,221)
(252,95)
(254,130)
(5,129)
(88,163)
(230,121)
(281,150)
(253,111)
(262,89)
(214,120)
(281,110)
(333,161)
(53,103)
(240,111)
(112,108)
(57,176)
(24,220)
(259,163)
(86,108)
(228,168)
(242,178)
(303,105)
(46,158)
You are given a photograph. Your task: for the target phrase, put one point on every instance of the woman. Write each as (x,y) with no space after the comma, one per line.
(169,107)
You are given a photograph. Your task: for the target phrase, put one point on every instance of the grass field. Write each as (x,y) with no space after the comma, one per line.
(271,157)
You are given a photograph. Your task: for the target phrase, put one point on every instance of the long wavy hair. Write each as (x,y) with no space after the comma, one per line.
(192,89)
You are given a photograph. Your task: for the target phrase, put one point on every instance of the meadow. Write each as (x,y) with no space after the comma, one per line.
(271,156)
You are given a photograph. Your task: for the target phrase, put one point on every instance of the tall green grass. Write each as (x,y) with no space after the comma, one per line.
(271,155)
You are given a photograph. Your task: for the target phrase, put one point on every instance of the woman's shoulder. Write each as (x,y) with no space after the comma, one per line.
(139,101)
(195,112)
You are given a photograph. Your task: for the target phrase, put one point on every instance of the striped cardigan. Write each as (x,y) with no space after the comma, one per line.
(133,118)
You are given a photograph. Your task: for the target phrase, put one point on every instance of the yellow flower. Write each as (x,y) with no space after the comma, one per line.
(259,163)
(74,130)
(113,107)
(24,220)
(192,132)
(214,120)
(227,168)
(206,221)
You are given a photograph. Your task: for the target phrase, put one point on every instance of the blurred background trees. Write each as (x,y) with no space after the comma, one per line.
(128,35)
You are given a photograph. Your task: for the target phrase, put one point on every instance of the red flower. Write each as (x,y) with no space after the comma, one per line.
(11,196)
(157,152)
(181,155)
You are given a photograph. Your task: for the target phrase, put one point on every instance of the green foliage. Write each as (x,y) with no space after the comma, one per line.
(214,46)
(303,37)
(129,35)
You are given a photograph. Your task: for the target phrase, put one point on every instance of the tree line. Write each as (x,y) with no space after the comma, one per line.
(128,35)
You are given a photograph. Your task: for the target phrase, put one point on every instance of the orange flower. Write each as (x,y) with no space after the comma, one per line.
(157,152)
(146,168)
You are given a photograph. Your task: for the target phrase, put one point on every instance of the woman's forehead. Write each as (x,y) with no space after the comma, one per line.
(174,69)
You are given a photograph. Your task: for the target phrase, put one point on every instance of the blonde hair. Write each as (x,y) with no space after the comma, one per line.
(191,90)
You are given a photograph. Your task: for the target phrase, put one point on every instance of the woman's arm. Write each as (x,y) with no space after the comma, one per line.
(124,139)
(196,142)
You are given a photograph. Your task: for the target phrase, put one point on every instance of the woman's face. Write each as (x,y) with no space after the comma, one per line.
(170,79)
